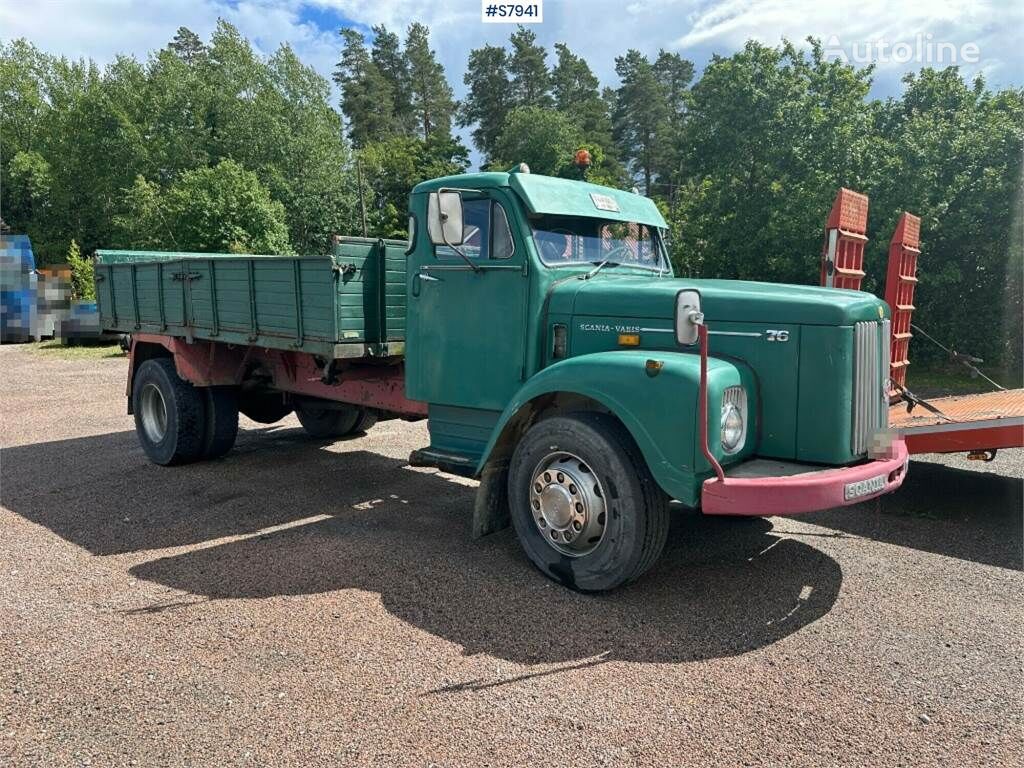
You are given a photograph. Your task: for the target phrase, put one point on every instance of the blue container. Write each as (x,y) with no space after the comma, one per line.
(17,289)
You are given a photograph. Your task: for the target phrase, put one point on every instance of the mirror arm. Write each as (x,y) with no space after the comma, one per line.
(475,267)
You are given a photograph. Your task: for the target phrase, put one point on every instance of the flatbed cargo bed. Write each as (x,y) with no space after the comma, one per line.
(350,303)
(979,422)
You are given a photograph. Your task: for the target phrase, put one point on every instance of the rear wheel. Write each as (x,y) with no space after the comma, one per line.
(334,421)
(584,506)
(221,421)
(170,414)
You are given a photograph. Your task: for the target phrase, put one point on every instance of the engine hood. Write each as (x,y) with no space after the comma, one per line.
(642,296)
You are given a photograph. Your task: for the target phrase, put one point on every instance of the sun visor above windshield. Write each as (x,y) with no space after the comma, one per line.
(562,197)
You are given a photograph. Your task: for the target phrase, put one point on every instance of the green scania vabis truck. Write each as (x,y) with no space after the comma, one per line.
(537,325)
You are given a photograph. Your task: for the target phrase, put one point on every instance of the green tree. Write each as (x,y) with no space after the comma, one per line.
(640,115)
(489,96)
(391,168)
(545,139)
(576,93)
(393,64)
(29,185)
(950,151)
(674,74)
(82,285)
(367,98)
(216,209)
(188,46)
(528,70)
(432,101)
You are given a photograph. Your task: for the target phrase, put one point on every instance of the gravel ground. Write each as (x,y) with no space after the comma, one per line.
(305,604)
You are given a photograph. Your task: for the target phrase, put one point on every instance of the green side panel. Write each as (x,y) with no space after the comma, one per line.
(395,261)
(776,366)
(371,289)
(462,432)
(826,395)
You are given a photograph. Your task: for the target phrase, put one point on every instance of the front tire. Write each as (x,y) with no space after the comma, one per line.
(334,421)
(584,505)
(170,414)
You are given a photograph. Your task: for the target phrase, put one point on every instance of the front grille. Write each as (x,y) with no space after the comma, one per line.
(870,375)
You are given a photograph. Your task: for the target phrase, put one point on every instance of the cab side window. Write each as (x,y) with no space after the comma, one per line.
(501,236)
(485,232)
(476,231)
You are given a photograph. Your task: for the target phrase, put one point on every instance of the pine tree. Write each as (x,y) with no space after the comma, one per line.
(674,73)
(188,46)
(367,98)
(432,99)
(641,111)
(488,100)
(531,81)
(575,91)
(393,64)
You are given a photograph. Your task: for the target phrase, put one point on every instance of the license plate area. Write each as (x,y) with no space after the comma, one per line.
(860,488)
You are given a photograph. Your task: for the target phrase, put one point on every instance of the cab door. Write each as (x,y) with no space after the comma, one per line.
(467,325)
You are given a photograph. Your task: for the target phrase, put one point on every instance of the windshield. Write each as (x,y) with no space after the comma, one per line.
(564,240)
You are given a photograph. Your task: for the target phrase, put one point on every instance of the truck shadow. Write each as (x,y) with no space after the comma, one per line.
(287,516)
(967,514)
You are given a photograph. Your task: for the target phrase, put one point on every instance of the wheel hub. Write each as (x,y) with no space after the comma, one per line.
(567,503)
(154,413)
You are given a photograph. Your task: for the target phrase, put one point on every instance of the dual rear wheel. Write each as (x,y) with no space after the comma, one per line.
(178,423)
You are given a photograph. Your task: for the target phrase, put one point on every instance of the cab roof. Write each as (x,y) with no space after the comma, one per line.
(561,197)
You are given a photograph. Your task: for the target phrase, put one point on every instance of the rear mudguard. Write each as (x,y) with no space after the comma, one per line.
(657,404)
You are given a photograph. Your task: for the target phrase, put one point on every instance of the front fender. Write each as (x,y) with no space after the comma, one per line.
(659,411)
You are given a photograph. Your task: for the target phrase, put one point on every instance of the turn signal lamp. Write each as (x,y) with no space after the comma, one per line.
(558,343)
(629,339)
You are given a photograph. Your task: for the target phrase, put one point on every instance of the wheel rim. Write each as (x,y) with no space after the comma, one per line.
(567,504)
(153,409)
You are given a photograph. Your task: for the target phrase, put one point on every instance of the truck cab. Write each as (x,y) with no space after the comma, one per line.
(542,307)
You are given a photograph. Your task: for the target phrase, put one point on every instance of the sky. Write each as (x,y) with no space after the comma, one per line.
(983,36)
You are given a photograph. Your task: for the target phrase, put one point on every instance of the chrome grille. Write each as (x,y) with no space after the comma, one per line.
(870,376)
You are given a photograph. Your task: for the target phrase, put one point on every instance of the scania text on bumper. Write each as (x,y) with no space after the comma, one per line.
(807,491)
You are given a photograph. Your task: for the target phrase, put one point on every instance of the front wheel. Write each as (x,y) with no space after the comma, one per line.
(584,505)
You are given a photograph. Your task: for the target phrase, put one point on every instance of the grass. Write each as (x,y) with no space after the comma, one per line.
(92,351)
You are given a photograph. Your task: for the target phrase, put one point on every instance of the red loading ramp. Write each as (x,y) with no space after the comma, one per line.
(900,282)
(842,258)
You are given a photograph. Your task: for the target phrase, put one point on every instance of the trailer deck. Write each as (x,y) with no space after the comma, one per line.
(978,422)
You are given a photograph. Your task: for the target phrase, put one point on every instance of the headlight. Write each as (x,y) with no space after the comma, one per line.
(734,419)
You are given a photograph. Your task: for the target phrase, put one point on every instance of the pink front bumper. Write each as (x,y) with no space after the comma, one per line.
(807,492)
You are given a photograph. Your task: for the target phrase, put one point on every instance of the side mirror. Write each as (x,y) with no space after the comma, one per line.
(444,218)
(688,317)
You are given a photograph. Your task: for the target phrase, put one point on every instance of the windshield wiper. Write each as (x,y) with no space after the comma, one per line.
(598,268)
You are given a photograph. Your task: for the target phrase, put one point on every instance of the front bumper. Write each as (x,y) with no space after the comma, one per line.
(805,491)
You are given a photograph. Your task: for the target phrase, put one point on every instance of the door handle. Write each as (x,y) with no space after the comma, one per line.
(417,281)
